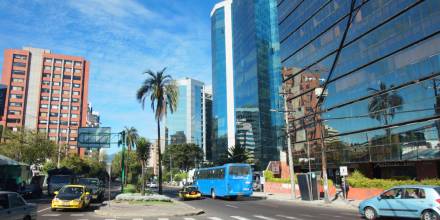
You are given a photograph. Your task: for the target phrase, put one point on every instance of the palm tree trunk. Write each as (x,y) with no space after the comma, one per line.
(143,178)
(159,157)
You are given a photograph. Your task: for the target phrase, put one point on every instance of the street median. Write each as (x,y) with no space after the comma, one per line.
(135,205)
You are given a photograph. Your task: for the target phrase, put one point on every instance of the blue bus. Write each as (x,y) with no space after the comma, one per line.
(229,181)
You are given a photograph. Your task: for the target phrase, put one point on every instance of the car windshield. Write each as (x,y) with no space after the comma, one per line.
(239,171)
(437,189)
(77,191)
(60,179)
(191,188)
(88,182)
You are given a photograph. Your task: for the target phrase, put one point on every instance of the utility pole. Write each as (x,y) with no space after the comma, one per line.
(289,150)
(122,141)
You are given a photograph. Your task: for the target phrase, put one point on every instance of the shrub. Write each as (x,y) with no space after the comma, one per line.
(139,197)
(269,178)
(358,180)
(130,188)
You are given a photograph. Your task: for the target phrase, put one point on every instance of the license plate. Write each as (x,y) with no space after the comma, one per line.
(94,197)
(66,203)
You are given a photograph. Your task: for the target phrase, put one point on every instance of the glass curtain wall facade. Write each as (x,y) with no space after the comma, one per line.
(186,124)
(223,127)
(257,79)
(380,109)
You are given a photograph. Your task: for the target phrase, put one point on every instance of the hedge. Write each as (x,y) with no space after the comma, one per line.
(270,178)
(358,180)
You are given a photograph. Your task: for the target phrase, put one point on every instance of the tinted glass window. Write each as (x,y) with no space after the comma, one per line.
(88,182)
(4,204)
(60,179)
(72,190)
(437,190)
(414,193)
(16,200)
(239,171)
(393,194)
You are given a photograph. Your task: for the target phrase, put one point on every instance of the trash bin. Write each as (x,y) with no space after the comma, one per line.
(308,186)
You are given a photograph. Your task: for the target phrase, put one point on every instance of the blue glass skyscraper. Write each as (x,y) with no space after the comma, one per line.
(257,79)
(223,125)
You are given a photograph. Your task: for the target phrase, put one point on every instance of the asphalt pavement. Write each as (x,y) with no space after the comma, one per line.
(242,209)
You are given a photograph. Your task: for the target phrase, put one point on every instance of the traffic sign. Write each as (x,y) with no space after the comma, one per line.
(94,137)
(343,171)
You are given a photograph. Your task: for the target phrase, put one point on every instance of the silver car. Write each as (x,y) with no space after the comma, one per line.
(14,207)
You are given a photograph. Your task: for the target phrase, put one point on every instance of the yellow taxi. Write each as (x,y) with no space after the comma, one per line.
(71,197)
(189,192)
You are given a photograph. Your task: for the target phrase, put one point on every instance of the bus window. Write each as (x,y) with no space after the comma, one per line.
(239,171)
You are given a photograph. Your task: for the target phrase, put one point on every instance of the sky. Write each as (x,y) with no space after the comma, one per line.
(121,39)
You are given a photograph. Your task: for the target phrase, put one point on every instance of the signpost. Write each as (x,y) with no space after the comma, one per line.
(102,138)
(94,137)
(343,171)
(109,171)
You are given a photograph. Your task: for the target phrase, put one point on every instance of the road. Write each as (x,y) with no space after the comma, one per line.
(242,209)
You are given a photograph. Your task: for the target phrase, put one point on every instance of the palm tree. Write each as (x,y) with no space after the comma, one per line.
(383,107)
(131,136)
(163,94)
(238,154)
(143,154)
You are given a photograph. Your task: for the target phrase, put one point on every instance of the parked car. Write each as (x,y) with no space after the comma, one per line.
(71,197)
(189,192)
(404,201)
(152,185)
(95,186)
(13,207)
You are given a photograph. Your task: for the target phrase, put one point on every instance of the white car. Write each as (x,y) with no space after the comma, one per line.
(152,185)
(13,206)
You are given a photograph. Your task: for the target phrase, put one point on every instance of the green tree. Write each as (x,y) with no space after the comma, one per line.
(183,156)
(383,107)
(27,146)
(134,166)
(143,154)
(162,91)
(131,136)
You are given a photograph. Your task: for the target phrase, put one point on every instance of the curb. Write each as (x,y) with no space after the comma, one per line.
(106,214)
(306,203)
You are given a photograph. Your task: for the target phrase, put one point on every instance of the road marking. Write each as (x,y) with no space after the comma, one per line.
(289,217)
(109,219)
(42,210)
(232,206)
(83,219)
(305,215)
(138,219)
(239,218)
(215,218)
(335,216)
(189,219)
(76,215)
(162,219)
(51,215)
(263,217)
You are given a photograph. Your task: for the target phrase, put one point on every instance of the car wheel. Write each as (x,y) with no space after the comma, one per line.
(213,196)
(53,209)
(27,218)
(370,213)
(430,215)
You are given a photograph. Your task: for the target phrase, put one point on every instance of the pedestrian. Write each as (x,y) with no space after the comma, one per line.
(346,189)
(262,182)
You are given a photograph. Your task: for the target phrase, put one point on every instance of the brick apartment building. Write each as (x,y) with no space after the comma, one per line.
(46,92)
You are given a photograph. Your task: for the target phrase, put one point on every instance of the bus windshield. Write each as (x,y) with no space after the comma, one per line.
(239,171)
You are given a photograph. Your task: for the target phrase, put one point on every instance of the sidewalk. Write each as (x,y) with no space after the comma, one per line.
(124,210)
(340,204)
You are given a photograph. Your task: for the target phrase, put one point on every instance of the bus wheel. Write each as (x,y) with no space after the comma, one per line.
(213,194)
(233,198)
